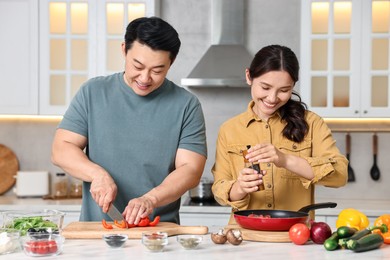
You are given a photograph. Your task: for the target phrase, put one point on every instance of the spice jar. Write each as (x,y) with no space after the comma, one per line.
(61,185)
(253,166)
(76,188)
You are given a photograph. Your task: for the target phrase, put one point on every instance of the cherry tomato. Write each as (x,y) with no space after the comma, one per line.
(299,233)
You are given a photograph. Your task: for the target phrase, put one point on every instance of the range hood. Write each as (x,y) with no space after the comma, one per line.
(225,61)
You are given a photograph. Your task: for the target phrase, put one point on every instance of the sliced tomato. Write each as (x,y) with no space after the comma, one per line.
(106,225)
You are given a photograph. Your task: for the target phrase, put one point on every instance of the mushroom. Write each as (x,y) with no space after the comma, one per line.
(234,236)
(219,237)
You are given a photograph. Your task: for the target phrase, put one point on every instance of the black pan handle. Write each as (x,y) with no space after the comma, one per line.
(318,206)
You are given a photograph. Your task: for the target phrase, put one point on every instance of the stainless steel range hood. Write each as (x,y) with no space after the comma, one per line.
(225,61)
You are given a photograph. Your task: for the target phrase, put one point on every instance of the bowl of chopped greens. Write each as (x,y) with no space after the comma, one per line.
(47,221)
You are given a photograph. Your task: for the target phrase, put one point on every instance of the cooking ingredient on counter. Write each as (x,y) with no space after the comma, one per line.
(234,236)
(345,231)
(155,241)
(189,241)
(319,232)
(106,225)
(331,243)
(25,223)
(121,224)
(145,222)
(37,244)
(383,220)
(352,218)
(115,240)
(299,233)
(219,237)
(9,241)
(361,233)
(368,242)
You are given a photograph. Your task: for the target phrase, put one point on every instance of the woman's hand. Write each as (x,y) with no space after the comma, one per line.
(266,153)
(248,181)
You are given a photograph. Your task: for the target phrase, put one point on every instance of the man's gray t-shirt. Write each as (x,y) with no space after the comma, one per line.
(135,138)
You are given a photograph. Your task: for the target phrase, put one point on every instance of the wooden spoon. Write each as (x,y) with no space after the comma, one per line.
(375,173)
(351,174)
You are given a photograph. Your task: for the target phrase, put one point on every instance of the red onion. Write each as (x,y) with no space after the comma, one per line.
(319,232)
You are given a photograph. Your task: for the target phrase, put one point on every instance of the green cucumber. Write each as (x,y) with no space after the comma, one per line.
(331,243)
(345,231)
(359,234)
(368,242)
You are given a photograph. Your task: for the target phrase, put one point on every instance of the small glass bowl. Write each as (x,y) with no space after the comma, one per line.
(10,240)
(189,241)
(115,240)
(155,241)
(42,244)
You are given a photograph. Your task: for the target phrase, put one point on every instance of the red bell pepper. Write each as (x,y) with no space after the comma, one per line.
(106,225)
(155,221)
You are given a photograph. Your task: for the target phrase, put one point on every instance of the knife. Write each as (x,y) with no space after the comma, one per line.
(114,213)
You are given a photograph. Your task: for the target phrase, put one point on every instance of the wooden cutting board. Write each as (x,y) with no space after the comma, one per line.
(261,236)
(9,166)
(89,230)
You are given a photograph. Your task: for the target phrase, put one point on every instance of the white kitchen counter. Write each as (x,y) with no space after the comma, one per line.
(133,249)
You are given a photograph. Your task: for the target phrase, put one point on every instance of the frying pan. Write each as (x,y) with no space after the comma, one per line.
(280,220)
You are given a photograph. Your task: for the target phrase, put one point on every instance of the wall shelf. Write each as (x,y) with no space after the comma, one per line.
(368,125)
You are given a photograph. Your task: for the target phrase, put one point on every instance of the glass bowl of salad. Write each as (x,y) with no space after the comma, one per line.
(46,221)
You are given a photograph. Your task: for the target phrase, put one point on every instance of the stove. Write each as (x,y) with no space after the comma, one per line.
(197,202)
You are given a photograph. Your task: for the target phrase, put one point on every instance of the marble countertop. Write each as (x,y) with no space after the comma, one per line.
(133,249)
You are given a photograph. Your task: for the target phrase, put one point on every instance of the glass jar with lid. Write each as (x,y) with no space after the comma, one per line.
(76,188)
(60,185)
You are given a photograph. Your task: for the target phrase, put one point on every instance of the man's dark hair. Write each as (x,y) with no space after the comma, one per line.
(154,32)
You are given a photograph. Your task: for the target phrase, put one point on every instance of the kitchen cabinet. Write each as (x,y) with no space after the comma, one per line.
(345,57)
(19,56)
(75,39)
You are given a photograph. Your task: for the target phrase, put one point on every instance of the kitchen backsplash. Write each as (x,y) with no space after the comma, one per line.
(31,142)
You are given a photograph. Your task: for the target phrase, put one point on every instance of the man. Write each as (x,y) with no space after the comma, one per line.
(144,136)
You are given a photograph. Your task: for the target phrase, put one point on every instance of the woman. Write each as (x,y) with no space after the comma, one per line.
(294,146)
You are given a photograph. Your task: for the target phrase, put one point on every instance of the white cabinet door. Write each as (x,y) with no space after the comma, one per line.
(345,48)
(19,57)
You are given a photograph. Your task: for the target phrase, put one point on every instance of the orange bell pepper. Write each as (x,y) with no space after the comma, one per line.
(384,219)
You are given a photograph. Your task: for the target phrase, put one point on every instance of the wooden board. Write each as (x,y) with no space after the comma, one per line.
(261,236)
(9,166)
(90,230)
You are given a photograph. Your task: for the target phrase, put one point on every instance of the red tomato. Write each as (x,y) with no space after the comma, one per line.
(52,246)
(299,233)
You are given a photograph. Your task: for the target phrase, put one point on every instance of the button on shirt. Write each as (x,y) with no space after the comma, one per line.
(284,190)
